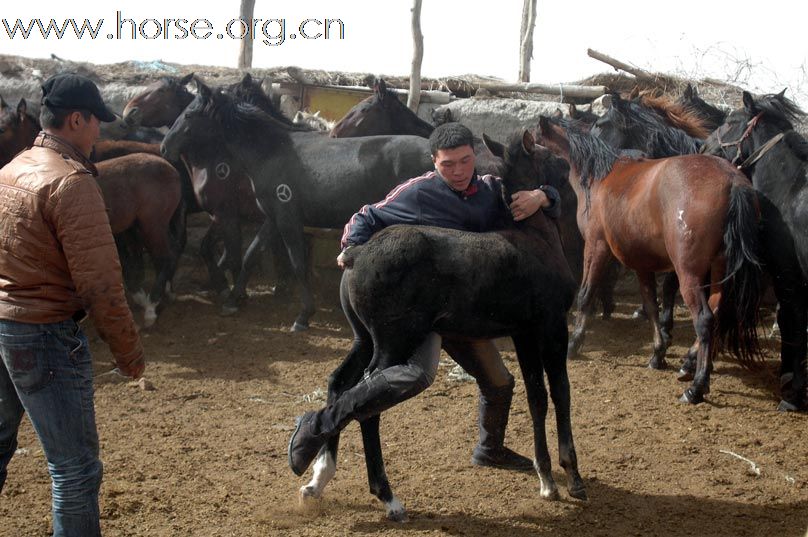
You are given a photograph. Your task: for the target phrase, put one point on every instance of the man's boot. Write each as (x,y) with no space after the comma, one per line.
(491,451)
(369,397)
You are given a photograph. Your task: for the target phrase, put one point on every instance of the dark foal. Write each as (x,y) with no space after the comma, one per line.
(18,129)
(691,214)
(760,137)
(404,287)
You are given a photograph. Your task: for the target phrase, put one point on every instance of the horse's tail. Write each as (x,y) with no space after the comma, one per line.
(177,227)
(738,311)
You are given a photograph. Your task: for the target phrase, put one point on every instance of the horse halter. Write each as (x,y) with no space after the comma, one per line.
(750,125)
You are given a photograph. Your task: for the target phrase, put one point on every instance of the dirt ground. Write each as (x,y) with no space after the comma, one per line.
(204,452)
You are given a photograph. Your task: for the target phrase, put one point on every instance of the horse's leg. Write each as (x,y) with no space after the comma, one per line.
(597,257)
(792,317)
(251,259)
(280,260)
(606,291)
(528,351)
(218,280)
(230,226)
(692,287)
(555,364)
(649,301)
(342,379)
(130,255)
(290,227)
(163,254)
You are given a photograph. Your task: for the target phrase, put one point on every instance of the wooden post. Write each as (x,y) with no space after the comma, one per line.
(617,64)
(245,49)
(414,96)
(526,39)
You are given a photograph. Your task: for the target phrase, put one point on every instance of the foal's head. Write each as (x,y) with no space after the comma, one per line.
(161,102)
(17,129)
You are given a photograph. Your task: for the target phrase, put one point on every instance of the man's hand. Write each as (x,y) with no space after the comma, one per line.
(134,368)
(343,261)
(526,202)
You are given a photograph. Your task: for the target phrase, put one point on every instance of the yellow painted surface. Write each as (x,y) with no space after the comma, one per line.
(332,103)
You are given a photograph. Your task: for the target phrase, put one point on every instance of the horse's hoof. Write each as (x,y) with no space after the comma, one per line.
(785,406)
(396,511)
(660,364)
(228,310)
(579,493)
(551,494)
(691,397)
(639,314)
(299,327)
(684,375)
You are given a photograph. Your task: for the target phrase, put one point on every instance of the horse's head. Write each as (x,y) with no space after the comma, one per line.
(198,126)
(617,126)
(381,113)
(526,164)
(711,115)
(748,127)
(553,136)
(17,129)
(161,102)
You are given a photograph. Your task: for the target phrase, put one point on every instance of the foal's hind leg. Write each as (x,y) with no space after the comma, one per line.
(649,300)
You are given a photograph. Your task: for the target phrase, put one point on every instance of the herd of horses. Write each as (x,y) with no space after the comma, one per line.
(715,202)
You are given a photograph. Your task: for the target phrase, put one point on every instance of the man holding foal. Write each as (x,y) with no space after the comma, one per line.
(453,196)
(57,261)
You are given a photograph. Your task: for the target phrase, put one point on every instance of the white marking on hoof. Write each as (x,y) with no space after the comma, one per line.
(396,511)
(548,489)
(149,314)
(324,470)
(140,298)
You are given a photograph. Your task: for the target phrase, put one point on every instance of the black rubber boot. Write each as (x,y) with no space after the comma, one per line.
(491,451)
(369,397)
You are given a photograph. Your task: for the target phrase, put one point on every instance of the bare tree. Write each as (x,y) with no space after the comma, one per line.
(417,56)
(245,50)
(526,39)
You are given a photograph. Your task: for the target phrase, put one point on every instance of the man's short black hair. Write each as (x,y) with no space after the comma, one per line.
(449,136)
(55,118)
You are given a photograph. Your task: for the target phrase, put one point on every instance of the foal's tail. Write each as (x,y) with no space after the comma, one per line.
(738,311)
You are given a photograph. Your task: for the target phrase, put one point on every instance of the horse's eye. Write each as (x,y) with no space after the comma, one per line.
(2,130)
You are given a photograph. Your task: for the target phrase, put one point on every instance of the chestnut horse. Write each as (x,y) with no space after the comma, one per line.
(760,136)
(692,214)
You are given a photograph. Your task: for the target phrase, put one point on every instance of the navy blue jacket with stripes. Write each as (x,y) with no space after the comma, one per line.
(429,201)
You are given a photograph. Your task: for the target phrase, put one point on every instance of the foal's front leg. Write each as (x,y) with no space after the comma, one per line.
(597,257)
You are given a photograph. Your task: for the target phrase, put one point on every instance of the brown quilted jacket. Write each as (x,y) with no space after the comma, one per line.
(57,253)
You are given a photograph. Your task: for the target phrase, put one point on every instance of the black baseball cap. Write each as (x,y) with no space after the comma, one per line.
(72,91)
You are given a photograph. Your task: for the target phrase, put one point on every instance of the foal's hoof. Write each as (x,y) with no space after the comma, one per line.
(639,314)
(657,363)
(785,406)
(299,327)
(395,511)
(308,493)
(691,397)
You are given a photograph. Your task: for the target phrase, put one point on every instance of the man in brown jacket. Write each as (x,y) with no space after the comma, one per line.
(57,261)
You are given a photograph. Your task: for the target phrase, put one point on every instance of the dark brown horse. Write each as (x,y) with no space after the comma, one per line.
(161,102)
(142,193)
(691,214)
(18,129)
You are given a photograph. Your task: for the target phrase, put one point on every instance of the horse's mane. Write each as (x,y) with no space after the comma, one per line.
(235,114)
(780,108)
(661,138)
(592,156)
(798,144)
(678,115)
(251,93)
(412,115)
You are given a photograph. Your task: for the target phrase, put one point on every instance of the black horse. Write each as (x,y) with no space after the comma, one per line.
(408,282)
(299,177)
(712,116)
(761,139)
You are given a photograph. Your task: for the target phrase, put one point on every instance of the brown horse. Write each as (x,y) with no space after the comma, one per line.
(18,129)
(692,214)
(142,193)
(161,102)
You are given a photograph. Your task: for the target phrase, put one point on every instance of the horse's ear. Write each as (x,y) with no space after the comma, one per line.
(496,148)
(22,108)
(3,102)
(782,94)
(186,79)
(204,91)
(382,86)
(528,141)
(558,113)
(574,111)
(690,92)
(749,103)
(246,80)
(635,92)
(317,114)
(608,100)
(544,125)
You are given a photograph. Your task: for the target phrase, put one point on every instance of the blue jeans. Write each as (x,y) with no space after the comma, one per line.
(47,372)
